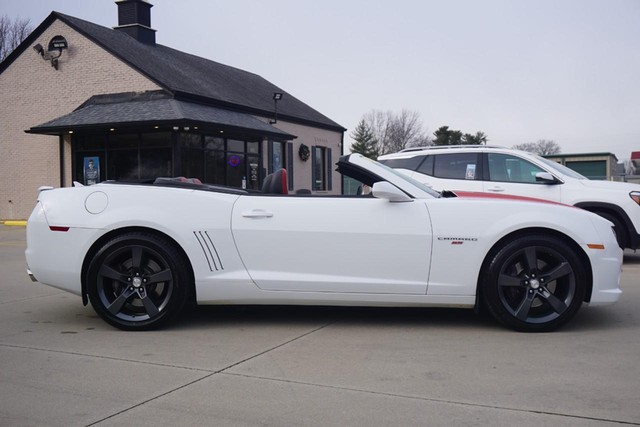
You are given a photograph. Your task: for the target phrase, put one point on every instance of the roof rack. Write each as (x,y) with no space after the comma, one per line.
(441,147)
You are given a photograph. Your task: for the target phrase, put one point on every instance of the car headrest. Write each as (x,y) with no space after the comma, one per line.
(276,183)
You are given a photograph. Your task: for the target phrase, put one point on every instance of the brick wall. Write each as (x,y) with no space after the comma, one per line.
(32,92)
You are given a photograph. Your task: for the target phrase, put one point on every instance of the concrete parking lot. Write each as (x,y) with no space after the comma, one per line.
(60,365)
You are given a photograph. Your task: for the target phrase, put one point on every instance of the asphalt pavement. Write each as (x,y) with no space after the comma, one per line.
(60,365)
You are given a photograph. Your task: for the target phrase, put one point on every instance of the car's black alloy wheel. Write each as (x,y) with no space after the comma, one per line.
(535,283)
(137,281)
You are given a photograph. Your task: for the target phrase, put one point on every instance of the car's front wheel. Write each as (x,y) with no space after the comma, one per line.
(534,283)
(137,281)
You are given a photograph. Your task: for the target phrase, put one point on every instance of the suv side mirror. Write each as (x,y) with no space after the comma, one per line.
(388,191)
(546,178)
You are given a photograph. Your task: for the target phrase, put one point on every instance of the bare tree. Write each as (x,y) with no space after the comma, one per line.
(379,123)
(543,147)
(12,33)
(395,132)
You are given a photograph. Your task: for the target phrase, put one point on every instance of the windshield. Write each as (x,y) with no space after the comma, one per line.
(412,181)
(561,168)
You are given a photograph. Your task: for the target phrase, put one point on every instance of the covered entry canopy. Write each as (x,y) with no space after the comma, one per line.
(134,110)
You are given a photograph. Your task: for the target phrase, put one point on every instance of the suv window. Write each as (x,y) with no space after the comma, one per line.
(426,167)
(456,166)
(508,168)
(410,163)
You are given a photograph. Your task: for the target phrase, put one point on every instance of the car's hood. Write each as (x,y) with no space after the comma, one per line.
(610,185)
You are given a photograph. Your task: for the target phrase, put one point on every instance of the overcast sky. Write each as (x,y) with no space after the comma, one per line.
(520,71)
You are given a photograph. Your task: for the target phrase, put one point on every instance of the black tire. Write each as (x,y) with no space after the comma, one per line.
(534,283)
(618,228)
(138,281)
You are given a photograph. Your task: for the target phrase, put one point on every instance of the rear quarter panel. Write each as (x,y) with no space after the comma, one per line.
(199,221)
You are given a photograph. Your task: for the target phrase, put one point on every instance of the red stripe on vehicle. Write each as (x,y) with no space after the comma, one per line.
(478,195)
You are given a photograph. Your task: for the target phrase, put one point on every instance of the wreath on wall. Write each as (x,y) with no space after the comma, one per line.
(304,152)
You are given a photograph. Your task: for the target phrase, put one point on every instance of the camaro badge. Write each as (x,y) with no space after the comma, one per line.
(458,240)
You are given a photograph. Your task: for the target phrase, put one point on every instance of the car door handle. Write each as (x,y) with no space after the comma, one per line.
(496,189)
(257,213)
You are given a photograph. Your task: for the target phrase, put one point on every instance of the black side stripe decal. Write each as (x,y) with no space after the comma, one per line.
(209,250)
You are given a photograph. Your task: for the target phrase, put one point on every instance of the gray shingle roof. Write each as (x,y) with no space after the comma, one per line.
(190,76)
(154,108)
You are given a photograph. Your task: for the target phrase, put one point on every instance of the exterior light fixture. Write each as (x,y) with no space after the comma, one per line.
(58,43)
(176,128)
(277,96)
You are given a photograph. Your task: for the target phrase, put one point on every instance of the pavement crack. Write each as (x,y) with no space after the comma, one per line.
(209,373)
(275,347)
(97,356)
(435,400)
(219,371)
(13,301)
(151,399)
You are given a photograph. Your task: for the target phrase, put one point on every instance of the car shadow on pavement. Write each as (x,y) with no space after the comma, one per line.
(210,316)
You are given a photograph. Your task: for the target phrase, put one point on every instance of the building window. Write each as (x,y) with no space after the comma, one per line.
(125,156)
(276,156)
(321,168)
(223,161)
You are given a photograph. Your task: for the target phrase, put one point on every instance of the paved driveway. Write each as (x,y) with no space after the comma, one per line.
(60,365)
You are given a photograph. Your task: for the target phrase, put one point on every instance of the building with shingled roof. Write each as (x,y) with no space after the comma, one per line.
(76,94)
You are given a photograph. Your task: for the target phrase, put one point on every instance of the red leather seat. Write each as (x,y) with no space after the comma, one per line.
(276,183)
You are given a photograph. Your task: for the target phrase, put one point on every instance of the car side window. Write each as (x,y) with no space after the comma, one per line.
(426,167)
(410,163)
(456,166)
(509,168)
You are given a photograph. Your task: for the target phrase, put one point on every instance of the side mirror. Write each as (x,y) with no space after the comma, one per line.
(546,178)
(387,191)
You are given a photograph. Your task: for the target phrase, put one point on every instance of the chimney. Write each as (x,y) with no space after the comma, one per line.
(134,18)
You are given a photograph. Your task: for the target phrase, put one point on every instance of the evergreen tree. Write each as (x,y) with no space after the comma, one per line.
(446,136)
(365,142)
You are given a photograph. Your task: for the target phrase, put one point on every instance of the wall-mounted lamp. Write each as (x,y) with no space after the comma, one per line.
(277,96)
(58,43)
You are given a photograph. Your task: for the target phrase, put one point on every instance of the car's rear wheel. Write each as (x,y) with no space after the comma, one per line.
(138,281)
(534,283)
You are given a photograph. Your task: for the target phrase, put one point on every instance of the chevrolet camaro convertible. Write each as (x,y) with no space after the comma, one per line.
(141,252)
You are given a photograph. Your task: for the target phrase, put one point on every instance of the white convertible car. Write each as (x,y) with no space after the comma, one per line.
(140,252)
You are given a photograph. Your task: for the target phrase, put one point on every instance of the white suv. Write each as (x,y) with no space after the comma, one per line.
(490,169)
